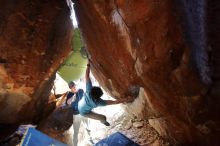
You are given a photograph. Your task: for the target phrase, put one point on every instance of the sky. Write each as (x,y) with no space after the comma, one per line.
(73,17)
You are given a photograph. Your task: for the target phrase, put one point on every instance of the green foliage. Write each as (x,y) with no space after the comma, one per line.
(74,66)
(77,42)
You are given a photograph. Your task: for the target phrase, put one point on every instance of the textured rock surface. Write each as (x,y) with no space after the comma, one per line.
(57,125)
(35,37)
(161,46)
(168,48)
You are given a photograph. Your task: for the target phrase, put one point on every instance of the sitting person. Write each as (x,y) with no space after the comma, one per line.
(73,96)
(92,99)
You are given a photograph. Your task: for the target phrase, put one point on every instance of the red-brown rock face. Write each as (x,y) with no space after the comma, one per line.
(35,37)
(168,48)
(141,43)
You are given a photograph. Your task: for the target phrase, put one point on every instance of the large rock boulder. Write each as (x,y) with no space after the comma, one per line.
(35,38)
(167,48)
(161,46)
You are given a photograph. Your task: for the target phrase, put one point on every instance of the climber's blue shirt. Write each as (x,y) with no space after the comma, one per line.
(86,104)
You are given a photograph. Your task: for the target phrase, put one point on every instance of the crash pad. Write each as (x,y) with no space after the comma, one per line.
(116,139)
(33,137)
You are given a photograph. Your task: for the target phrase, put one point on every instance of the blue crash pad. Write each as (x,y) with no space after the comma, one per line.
(116,139)
(34,137)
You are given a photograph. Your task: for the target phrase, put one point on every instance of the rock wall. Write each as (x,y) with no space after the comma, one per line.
(167,48)
(35,38)
(163,47)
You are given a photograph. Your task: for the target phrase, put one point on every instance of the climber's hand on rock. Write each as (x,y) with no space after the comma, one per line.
(125,100)
(129,99)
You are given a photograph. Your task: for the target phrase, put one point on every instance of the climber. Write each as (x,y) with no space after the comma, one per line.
(92,99)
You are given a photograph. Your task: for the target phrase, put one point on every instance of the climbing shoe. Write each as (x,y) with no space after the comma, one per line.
(106,123)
